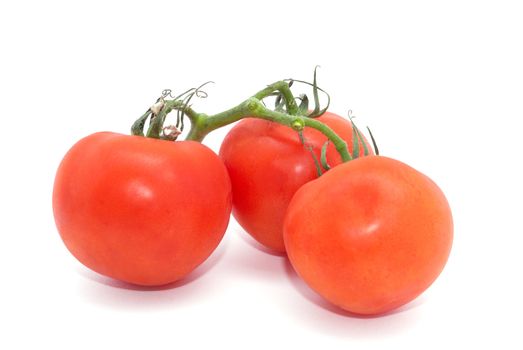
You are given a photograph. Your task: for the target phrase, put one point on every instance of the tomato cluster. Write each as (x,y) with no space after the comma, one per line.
(369,235)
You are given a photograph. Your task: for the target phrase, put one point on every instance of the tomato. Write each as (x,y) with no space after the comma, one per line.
(267,164)
(141,210)
(370,235)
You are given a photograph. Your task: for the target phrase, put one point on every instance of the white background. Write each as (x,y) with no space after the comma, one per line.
(441,84)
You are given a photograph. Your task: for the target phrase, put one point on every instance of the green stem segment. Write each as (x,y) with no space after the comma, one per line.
(202,124)
(252,108)
(284,89)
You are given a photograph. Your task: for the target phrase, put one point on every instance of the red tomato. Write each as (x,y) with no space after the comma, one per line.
(267,164)
(370,235)
(141,210)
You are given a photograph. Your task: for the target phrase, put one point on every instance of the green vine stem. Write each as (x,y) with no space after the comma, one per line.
(202,124)
(284,88)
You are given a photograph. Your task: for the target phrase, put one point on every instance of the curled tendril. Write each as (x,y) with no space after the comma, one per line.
(167,93)
(185,97)
(198,92)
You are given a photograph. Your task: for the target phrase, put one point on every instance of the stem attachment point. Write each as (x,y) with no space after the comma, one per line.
(298,124)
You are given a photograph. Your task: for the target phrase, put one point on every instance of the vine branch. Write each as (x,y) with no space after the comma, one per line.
(202,124)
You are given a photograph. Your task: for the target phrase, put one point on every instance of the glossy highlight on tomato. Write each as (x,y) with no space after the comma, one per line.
(370,235)
(141,210)
(268,163)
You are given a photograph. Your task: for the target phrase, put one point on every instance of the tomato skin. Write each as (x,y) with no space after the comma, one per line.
(267,164)
(370,235)
(141,210)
